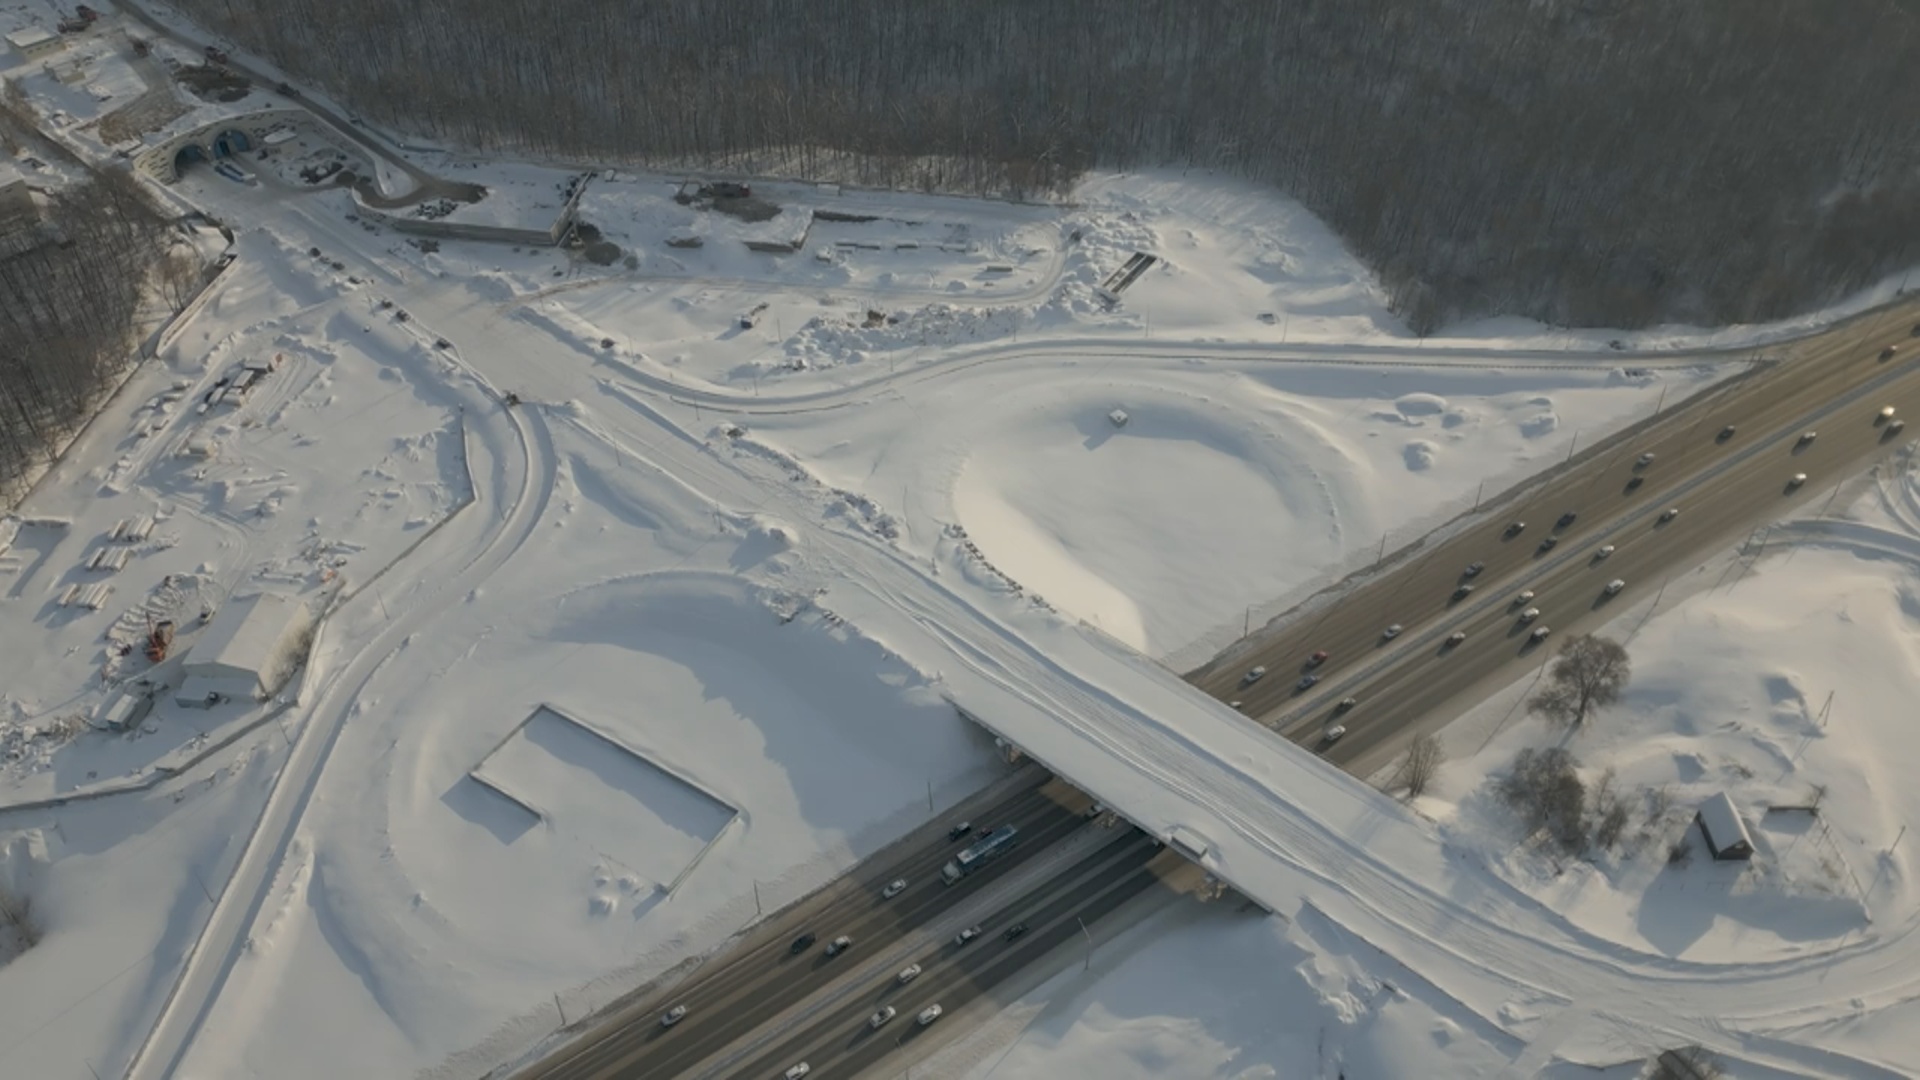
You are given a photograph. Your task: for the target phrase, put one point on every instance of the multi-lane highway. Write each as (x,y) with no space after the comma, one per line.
(1721,484)
(763,1008)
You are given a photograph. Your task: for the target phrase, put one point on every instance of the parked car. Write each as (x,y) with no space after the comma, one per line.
(959,830)
(728,189)
(1013,932)
(1614,587)
(1253,675)
(886,1013)
(928,1015)
(966,935)
(673,1016)
(839,945)
(802,944)
(894,888)
(908,974)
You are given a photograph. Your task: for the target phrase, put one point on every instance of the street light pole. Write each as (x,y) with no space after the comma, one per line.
(1084,930)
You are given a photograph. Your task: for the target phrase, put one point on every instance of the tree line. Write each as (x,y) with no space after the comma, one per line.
(1583,162)
(67,314)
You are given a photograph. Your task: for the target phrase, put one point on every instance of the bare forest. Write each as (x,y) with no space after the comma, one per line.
(67,316)
(1584,162)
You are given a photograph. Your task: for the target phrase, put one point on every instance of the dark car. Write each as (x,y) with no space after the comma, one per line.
(1566,519)
(1725,433)
(1015,931)
(802,944)
(1515,528)
(1636,482)
(1474,569)
(727,189)
(1547,544)
(959,830)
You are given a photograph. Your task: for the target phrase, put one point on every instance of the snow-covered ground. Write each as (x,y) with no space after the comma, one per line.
(673,637)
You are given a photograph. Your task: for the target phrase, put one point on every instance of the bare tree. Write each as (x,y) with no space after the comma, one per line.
(1417,768)
(1607,811)
(1687,1063)
(1589,674)
(1544,786)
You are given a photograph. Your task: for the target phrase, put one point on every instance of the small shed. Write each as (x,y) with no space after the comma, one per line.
(1726,834)
(249,648)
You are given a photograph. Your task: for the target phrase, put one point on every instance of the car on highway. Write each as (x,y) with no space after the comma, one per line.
(1525,595)
(928,1015)
(1473,569)
(1566,519)
(966,935)
(1887,353)
(673,1016)
(1602,552)
(1725,433)
(1546,543)
(839,945)
(894,888)
(1253,676)
(1529,615)
(1306,682)
(908,974)
(1516,528)
(1808,436)
(1539,634)
(1013,932)
(1332,734)
(802,944)
(1796,479)
(1633,483)
(1895,428)
(1645,460)
(1391,632)
(1614,586)
(797,1072)
(886,1013)
(1456,638)
(1235,704)
(1345,704)
(1669,513)
(1886,414)
(1462,592)
(1319,657)
(959,831)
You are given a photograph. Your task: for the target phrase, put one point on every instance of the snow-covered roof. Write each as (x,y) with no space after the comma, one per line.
(1722,822)
(28,37)
(245,633)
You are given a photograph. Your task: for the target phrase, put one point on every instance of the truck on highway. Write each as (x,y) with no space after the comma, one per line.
(979,852)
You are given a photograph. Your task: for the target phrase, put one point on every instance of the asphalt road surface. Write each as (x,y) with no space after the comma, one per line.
(761,980)
(1721,485)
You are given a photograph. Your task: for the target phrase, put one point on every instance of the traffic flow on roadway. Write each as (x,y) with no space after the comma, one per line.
(1351,672)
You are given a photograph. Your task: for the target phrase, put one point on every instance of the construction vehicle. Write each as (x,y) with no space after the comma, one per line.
(216,56)
(159,640)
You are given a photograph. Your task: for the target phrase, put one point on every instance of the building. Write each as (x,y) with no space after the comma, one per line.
(35,43)
(16,201)
(1726,834)
(247,651)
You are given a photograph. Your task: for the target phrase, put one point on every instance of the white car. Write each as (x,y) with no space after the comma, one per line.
(1646,459)
(839,945)
(1333,733)
(966,935)
(908,974)
(1529,615)
(929,1014)
(1808,436)
(1391,632)
(1539,634)
(886,1013)
(894,888)
(1603,551)
(1525,595)
(797,1071)
(1886,413)
(1614,586)
(1456,637)
(673,1016)
(1253,676)
(1669,513)
(1796,479)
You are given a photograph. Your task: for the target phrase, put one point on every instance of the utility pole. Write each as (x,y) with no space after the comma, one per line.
(1896,840)
(1662,401)
(1575,445)
(758,911)
(929,796)
(1089,933)
(1479,491)
(1382,557)
(1822,719)
(562,1008)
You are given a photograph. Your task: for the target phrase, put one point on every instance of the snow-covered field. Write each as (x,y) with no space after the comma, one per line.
(671,638)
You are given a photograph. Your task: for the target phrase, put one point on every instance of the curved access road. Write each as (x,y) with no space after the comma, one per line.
(1721,484)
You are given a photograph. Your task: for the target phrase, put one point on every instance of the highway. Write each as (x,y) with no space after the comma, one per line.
(1722,486)
(762,1002)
